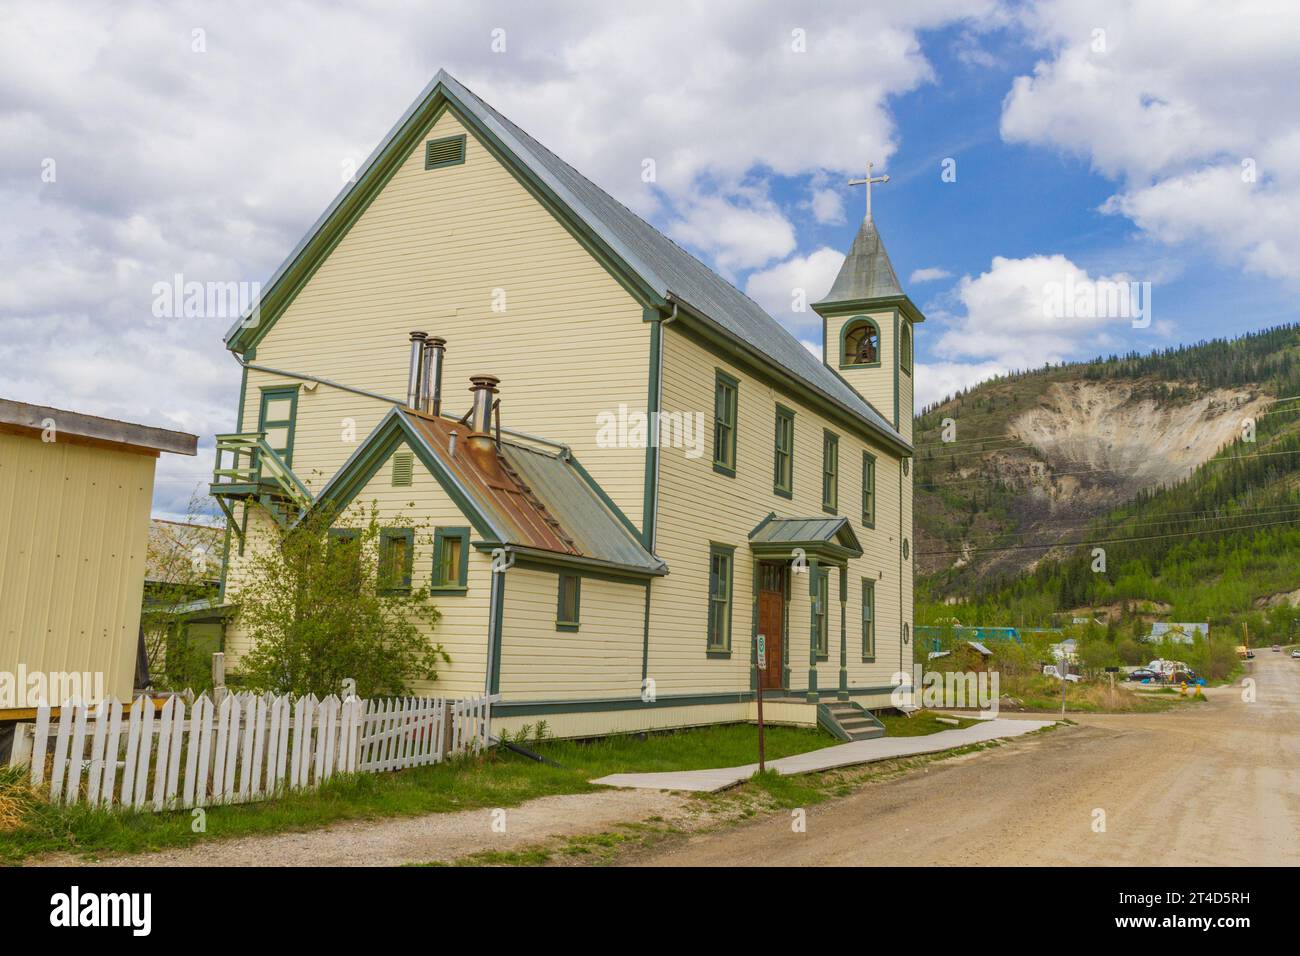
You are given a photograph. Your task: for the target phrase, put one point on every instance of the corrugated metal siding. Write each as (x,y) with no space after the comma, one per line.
(74,523)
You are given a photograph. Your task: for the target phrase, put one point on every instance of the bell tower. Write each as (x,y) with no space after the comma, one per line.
(868,324)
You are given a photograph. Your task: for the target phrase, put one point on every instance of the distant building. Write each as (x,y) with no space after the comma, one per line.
(1178,633)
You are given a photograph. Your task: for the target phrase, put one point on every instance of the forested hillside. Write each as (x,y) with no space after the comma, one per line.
(1044,506)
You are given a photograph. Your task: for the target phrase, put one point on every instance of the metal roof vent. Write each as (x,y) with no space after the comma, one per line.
(448,151)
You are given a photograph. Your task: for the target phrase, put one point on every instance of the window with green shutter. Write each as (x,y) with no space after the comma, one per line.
(868,619)
(783,467)
(821,616)
(830,471)
(721,560)
(725,392)
(396,552)
(868,489)
(567,602)
(450,559)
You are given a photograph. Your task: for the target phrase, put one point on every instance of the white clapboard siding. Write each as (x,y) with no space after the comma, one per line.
(248,747)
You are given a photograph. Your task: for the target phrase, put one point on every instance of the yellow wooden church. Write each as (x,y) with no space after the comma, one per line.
(631,470)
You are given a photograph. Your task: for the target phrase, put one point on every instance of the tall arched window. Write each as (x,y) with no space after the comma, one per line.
(860,343)
(905,347)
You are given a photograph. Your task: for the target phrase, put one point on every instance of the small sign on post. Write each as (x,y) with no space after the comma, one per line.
(761,651)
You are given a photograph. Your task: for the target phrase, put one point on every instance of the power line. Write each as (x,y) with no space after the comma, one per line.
(1074,544)
(1204,515)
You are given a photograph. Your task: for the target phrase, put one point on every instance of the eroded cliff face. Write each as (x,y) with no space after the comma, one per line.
(1132,438)
(1084,449)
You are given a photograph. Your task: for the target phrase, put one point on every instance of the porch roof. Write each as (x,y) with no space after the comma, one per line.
(829,537)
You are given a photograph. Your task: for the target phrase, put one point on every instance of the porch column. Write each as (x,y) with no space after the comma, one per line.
(812,631)
(844,619)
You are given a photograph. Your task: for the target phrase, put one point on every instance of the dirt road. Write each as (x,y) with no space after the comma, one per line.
(1213,783)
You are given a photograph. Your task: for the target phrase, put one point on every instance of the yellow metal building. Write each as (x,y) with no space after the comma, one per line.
(75,498)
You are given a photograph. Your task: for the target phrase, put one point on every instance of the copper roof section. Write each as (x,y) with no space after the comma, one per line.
(494,485)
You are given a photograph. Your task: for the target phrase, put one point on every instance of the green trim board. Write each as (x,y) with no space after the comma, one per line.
(851,325)
(654,402)
(568,601)
(722,573)
(783,453)
(459,584)
(496,625)
(726,422)
(590,705)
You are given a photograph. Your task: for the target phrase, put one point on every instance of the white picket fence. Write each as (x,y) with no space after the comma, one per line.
(250,747)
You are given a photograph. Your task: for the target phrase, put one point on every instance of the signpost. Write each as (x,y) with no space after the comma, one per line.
(1111,672)
(761,650)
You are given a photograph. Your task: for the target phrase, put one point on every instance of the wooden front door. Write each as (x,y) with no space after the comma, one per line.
(771,617)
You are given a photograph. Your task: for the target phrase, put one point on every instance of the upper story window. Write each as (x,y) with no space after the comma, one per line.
(567,602)
(868,489)
(905,347)
(276,418)
(860,343)
(830,472)
(725,393)
(783,467)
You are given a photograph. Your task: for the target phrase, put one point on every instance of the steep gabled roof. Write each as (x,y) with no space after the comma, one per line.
(515,497)
(665,271)
(867,272)
(867,277)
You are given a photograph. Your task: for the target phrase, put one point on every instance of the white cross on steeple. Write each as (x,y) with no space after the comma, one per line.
(868,183)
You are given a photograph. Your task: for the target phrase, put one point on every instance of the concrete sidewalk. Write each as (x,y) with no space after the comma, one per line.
(828,758)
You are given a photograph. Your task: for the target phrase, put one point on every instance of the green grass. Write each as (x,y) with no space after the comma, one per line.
(702,748)
(920,724)
(497,779)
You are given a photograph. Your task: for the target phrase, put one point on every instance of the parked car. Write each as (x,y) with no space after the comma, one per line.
(1296,653)
(1143,673)
(1277,647)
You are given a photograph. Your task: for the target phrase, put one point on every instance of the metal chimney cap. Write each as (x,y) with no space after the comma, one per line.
(419,336)
(437,341)
(483,381)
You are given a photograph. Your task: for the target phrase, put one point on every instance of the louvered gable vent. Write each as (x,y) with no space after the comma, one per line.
(403,464)
(444,152)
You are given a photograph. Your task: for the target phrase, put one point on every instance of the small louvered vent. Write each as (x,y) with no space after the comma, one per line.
(403,463)
(444,152)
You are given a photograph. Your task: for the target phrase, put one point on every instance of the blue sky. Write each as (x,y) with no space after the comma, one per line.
(1097,140)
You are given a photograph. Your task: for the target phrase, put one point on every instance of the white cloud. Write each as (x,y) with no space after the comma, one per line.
(1008,321)
(212,164)
(735,233)
(814,347)
(936,381)
(797,280)
(828,206)
(1180,94)
(931,274)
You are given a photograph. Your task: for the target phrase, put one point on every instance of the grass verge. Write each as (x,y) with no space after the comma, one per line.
(496,779)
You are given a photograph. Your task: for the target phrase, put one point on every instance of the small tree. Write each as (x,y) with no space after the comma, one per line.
(331,599)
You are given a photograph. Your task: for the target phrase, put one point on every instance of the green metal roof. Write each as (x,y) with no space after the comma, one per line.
(806,532)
